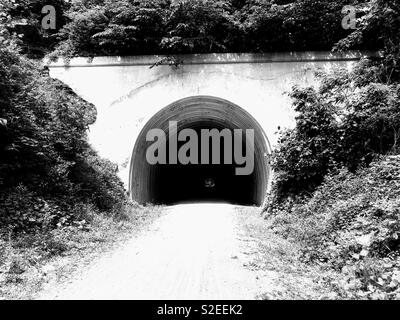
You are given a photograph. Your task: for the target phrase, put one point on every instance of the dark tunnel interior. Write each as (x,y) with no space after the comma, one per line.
(187,183)
(178,183)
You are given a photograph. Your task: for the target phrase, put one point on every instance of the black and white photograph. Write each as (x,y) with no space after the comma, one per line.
(199,154)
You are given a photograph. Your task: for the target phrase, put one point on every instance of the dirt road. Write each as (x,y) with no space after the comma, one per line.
(190,252)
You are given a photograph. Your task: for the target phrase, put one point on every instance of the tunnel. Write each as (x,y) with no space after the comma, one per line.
(175,182)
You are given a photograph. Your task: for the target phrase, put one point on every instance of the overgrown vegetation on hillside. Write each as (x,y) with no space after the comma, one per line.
(32,262)
(58,198)
(352,225)
(59,201)
(22,22)
(347,121)
(48,170)
(337,173)
(130,27)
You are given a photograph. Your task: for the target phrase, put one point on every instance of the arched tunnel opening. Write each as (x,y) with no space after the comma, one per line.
(171,183)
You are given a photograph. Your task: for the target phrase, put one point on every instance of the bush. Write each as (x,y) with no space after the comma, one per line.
(97,181)
(294,26)
(47,168)
(352,224)
(337,173)
(345,122)
(23,18)
(127,27)
(200,27)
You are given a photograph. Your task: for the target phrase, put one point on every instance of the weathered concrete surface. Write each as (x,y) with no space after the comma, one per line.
(128,93)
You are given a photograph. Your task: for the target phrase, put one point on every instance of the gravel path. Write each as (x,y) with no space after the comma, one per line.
(190,252)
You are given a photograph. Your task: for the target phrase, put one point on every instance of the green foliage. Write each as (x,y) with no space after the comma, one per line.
(97,181)
(127,27)
(200,26)
(352,224)
(337,185)
(298,25)
(29,260)
(306,153)
(47,168)
(21,21)
(346,121)
(132,27)
(380,23)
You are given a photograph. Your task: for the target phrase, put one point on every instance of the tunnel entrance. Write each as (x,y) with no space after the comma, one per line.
(180,183)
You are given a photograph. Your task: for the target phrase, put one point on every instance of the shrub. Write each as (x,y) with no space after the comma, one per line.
(47,168)
(346,122)
(126,27)
(295,25)
(352,224)
(200,27)
(23,18)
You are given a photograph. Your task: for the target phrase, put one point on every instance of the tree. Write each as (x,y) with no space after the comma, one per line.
(128,27)
(380,23)
(200,26)
(352,117)
(23,21)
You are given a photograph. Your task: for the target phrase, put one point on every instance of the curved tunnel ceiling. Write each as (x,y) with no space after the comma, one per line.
(177,183)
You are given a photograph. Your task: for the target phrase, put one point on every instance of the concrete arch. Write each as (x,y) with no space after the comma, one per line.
(168,184)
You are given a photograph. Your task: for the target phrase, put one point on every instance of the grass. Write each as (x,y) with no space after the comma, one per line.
(31,262)
(277,261)
(351,226)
